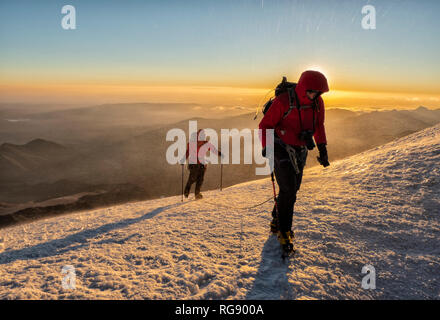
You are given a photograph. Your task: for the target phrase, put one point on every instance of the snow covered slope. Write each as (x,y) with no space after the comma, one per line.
(380,207)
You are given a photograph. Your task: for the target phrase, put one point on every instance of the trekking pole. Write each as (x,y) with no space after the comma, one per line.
(182,182)
(274,192)
(275,200)
(221,176)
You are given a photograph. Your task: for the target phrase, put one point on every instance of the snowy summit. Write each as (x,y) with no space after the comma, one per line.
(380,207)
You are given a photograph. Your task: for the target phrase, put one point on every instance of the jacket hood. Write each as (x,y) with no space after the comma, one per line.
(199,136)
(311,80)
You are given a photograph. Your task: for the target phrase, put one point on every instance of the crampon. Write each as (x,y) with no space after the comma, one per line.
(286,242)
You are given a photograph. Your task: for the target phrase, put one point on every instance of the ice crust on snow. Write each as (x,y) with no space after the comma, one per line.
(380,207)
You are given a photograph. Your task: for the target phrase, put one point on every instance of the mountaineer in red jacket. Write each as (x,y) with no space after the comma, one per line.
(197,165)
(294,131)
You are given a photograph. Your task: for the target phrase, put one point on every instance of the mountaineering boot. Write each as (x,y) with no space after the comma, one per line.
(199,196)
(274,225)
(285,240)
(292,235)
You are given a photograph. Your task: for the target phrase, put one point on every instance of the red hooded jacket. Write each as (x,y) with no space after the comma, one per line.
(200,142)
(289,128)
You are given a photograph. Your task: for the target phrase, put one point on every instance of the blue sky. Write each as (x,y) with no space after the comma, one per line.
(222,43)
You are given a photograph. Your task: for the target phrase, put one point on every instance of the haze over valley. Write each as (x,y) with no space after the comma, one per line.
(61,159)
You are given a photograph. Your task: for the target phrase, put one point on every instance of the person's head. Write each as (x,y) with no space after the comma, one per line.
(313,94)
(198,136)
(201,135)
(312,84)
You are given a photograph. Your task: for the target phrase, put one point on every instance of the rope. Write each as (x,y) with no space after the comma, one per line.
(261,100)
(240,256)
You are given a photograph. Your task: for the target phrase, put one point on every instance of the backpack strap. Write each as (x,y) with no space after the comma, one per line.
(293,100)
(290,94)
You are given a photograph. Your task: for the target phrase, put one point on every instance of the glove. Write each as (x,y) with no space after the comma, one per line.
(263,152)
(323,156)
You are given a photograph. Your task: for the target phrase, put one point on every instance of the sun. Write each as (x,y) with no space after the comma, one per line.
(320,69)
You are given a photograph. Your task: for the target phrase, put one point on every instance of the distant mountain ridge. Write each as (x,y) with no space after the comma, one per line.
(16,159)
(140,159)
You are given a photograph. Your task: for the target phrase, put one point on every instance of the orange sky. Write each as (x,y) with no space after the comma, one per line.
(216,95)
(346,90)
(219,52)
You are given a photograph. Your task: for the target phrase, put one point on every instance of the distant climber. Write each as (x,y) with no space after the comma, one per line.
(297,117)
(197,170)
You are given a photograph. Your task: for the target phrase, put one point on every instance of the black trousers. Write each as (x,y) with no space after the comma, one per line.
(196,174)
(288,182)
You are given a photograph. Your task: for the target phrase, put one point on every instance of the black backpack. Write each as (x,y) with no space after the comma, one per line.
(293,101)
(281,88)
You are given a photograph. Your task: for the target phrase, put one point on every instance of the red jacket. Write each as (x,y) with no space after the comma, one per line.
(194,155)
(289,128)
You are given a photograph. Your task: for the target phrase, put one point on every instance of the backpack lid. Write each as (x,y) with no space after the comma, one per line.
(283,86)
